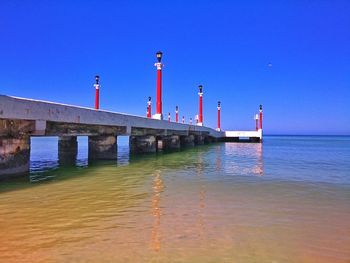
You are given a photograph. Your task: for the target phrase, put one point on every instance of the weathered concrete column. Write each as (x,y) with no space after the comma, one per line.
(103,147)
(143,144)
(213,139)
(187,141)
(208,139)
(67,150)
(199,139)
(171,142)
(15,147)
(160,144)
(14,156)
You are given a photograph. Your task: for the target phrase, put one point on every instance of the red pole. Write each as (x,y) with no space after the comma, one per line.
(97,92)
(159,66)
(219,121)
(200,105)
(183,119)
(177,114)
(256,122)
(169,116)
(261,117)
(149,107)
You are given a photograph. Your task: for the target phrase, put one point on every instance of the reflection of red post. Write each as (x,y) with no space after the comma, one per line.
(177,114)
(149,107)
(169,116)
(200,120)
(256,122)
(97,92)
(159,66)
(261,116)
(219,121)
(183,119)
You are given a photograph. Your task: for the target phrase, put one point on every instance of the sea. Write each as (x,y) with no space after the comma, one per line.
(284,200)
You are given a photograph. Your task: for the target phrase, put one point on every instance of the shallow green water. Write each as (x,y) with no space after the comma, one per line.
(287,200)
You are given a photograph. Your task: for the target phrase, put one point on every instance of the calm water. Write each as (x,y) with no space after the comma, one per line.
(287,200)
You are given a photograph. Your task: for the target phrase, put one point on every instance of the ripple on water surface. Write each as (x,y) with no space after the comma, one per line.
(287,200)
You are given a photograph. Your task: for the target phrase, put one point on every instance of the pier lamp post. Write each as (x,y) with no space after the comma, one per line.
(97,92)
(149,107)
(256,121)
(183,119)
(200,93)
(219,117)
(169,116)
(190,121)
(159,67)
(261,117)
(177,114)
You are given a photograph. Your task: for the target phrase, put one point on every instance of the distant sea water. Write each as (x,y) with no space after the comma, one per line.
(285,200)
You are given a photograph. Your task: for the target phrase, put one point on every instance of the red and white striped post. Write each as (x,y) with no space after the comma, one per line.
(219,117)
(149,112)
(261,117)
(177,114)
(97,92)
(159,66)
(183,119)
(169,116)
(256,121)
(200,93)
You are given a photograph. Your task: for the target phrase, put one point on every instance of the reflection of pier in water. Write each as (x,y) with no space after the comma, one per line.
(250,158)
(156,211)
(201,199)
(191,204)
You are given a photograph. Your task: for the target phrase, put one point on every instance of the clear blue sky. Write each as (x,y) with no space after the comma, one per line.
(51,50)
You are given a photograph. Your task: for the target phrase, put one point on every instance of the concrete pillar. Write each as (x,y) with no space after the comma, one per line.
(143,144)
(208,139)
(199,139)
(186,141)
(160,144)
(14,156)
(67,150)
(103,147)
(171,142)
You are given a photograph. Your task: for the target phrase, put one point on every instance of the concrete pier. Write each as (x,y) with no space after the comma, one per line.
(67,150)
(102,147)
(159,144)
(14,156)
(199,139)
(171,142)
(209,139)
(22,118)
(243,136)
(187,141)
(14,147)
(143,144)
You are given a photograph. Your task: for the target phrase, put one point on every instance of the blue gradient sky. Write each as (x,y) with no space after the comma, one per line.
(52,51)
